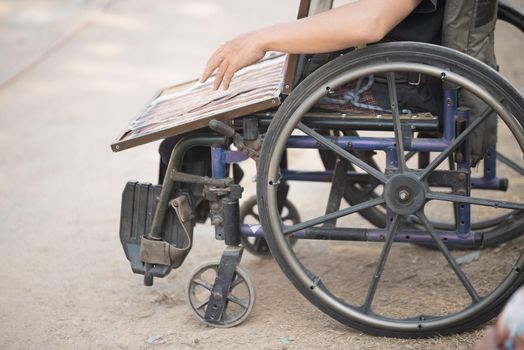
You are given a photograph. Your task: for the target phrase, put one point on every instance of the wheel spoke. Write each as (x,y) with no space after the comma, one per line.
(236,282)
(335,215)
(410,155)
(474,200)
(252,213)
(366,193)
(393,228)
(237,301)
(203,284)
(445,153)
(451,261)
(342,152)
(508,162)
(201,305)
(393,100)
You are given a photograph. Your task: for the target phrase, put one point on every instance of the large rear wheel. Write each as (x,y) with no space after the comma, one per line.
(355,192)
(389,288)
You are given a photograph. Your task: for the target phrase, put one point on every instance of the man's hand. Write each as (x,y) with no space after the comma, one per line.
(232,56)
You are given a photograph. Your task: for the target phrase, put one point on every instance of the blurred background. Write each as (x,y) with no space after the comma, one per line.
(73,73)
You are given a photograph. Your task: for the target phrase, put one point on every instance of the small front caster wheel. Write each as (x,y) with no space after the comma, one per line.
(240,298)
(249,215)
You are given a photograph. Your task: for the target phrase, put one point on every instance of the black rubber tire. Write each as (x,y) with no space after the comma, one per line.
(475,71)
(508,12)
(240,273)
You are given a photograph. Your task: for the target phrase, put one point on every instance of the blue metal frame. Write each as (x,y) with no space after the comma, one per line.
(221,157)
(464,209)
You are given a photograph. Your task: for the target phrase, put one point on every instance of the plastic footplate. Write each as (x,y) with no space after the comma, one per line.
(139,201)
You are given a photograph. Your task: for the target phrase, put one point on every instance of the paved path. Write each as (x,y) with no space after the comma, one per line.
(72,74)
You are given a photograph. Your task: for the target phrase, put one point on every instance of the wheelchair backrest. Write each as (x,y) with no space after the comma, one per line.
(305,9)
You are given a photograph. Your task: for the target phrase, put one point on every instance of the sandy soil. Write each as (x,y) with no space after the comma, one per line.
(71,76)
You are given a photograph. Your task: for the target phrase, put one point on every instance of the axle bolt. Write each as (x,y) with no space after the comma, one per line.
(403,195)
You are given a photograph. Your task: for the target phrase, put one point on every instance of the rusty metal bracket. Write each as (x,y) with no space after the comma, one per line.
(250,148)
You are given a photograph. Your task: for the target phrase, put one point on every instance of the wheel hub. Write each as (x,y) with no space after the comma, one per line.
(405,194)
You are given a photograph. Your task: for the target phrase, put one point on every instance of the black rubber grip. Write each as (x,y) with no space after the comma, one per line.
(221,128)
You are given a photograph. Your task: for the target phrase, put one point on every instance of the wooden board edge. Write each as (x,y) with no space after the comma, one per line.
(120,145)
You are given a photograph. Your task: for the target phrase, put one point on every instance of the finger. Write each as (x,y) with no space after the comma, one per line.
(502,333)
(519,342)
(212,64)
(228,76)
(220,75)
(488,340)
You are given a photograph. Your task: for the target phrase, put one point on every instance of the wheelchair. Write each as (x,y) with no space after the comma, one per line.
(403,164)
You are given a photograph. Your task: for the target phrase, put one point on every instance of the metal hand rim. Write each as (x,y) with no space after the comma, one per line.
(276,227)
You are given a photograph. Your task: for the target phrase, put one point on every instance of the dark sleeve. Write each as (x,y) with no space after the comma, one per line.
(426,6)
(424,24)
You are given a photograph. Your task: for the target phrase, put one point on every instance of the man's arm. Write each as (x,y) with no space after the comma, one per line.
(361,22)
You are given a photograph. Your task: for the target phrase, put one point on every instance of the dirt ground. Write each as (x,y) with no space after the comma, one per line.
(72,74)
